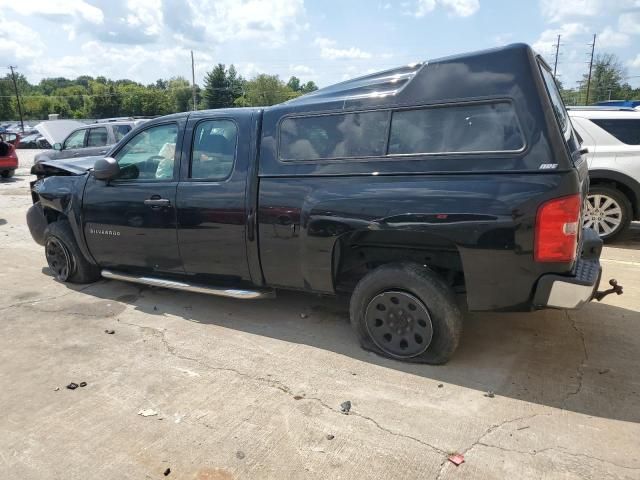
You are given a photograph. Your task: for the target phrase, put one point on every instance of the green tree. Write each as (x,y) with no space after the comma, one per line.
(265,90)
(294,84)
(181,94)
(309,87)
(606,77)
(7,111)
(235,84)
(216,89)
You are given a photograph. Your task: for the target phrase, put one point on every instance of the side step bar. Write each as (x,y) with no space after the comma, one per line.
(188,287)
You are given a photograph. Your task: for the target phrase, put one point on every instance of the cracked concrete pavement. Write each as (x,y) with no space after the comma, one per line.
(252,390)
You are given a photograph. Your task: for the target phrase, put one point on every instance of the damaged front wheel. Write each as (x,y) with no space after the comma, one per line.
(64,257)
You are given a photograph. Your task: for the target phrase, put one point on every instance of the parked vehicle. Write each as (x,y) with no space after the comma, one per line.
(34,141)
(612,136)
(90,140)
(401,189)
(8,156)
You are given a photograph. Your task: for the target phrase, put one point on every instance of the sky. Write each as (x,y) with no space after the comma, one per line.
(326,41)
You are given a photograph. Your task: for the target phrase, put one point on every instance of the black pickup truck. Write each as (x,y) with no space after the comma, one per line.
(412,190)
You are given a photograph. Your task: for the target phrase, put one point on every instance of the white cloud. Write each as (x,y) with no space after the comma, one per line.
(544,44)
(611,38)
(560,10)
(301,69)
(57,8)
(635,63)
(18,42)
(461,8)
(328,50)
(629,23)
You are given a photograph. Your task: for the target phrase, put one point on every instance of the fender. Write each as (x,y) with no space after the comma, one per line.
(62,195)
(632,185)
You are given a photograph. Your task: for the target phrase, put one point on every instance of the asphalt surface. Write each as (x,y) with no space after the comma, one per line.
(253,389)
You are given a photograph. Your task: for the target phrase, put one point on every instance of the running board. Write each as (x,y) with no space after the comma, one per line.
(189,287)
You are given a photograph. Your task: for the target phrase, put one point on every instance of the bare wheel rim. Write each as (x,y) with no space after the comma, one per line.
(603,214)
(399,323)
(58,258)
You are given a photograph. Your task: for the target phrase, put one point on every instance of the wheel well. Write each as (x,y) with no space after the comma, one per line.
(358,255)
(624,189)
(52,215)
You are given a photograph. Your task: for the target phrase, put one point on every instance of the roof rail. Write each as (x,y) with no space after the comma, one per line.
(601,108)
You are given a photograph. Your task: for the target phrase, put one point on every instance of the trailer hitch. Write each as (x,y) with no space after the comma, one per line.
(617,289)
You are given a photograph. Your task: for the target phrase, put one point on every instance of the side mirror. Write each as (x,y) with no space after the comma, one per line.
(57,146)
(106,168)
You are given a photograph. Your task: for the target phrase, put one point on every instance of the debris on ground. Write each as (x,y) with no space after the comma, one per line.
(345,407)
(298,397)
(330,437)
(148,412)
(240,455)
(457,459)
(489,394)
(523,428)
(603,371)
(56,389)
(109,332)
(167,472)
(72,386)
(440,385)
(304,315)
(83,384)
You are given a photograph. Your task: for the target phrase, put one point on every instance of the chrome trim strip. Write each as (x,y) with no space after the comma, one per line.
(175,285)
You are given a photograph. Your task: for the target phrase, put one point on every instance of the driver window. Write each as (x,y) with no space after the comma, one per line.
(150,155)
(75,140)
(214,148)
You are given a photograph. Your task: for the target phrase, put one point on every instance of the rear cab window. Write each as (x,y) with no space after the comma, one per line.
(445,129)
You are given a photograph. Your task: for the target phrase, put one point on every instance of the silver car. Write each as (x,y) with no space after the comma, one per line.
(90,140)
(612,136)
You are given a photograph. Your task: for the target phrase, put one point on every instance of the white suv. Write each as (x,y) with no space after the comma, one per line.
(612,136)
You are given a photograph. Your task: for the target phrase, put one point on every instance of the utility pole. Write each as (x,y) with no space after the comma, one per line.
(593,47)
(555,63)
(15,87)
(193,81)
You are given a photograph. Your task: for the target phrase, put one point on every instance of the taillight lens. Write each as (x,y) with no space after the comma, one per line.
(557,224)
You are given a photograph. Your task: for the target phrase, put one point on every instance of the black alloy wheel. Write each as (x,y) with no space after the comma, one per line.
(399,324)
(58,259)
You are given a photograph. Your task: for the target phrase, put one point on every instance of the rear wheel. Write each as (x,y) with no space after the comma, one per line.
(8,173)
(64,256)
(607,211)
(406,311)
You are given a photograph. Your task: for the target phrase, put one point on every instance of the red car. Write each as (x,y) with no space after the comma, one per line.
(8,156)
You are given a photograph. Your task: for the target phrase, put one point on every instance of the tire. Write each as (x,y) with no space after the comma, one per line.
(383,324)
(64,256)
(607,211)
(8,173)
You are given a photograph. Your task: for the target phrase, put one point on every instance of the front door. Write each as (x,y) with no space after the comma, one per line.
(130,222)
(211,195)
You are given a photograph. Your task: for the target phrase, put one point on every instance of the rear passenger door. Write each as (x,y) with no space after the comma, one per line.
(210,200)
(97,142)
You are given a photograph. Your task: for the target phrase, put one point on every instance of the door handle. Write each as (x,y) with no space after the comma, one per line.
(102,152)
(157,202)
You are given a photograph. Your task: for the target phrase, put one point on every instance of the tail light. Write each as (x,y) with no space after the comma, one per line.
(557,224)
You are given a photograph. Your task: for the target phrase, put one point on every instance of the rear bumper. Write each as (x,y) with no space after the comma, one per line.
(573,291)
(8,164)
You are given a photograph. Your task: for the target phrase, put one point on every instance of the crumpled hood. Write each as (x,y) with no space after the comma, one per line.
(71,166)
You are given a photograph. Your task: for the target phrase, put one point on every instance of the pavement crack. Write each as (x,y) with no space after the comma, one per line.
(277,384)
(557,450)
(31,303)
(581,365)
